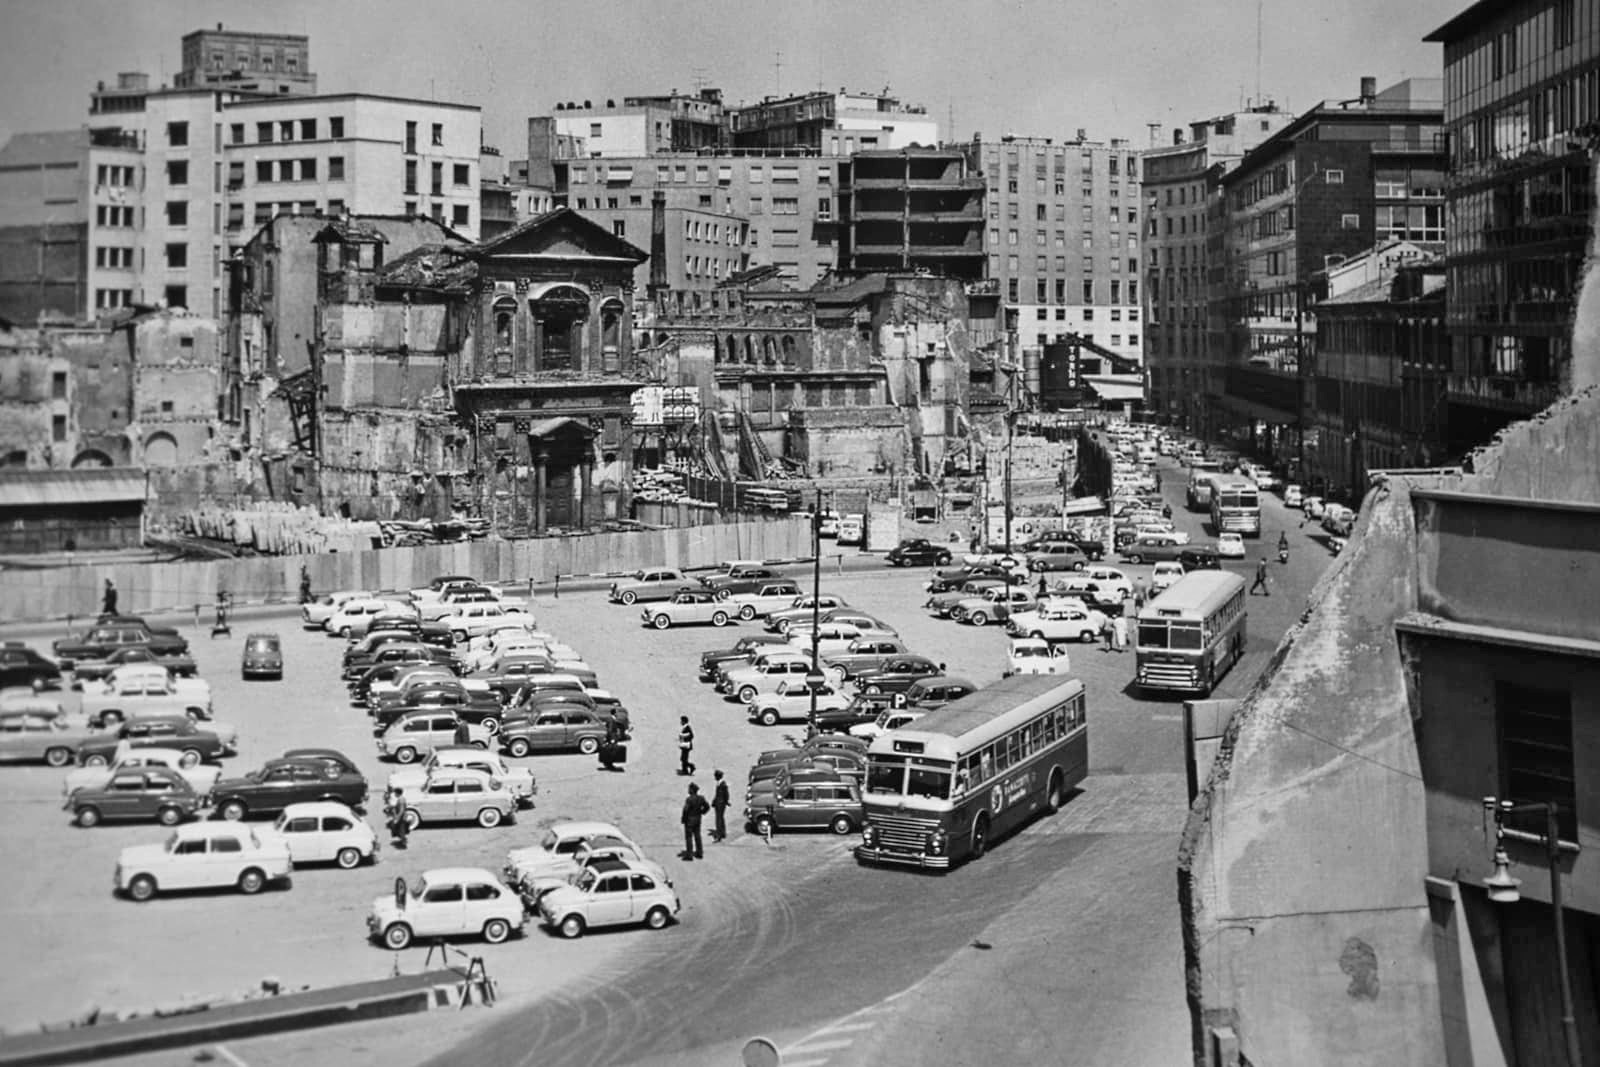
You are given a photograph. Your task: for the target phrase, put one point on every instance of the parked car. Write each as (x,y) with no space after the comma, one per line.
(555,728)
(263,656)
(1058,619)
(888,719)
(940,605)
(1057,556)
(86,672)
(764,599)
(687,607)
(40,730)
(862,654)
(1164,575)
(793,703)
(1230,545)
(1313,506)
(764,674)
(555,859)
(602,703)
(898,674)
(1199,557)
(458,794)
(139,794)
(323,832)
(201,778)
(161,731)
(102,640)
(863,707)
(842,762)
(317,612)
(446,902)
(800,611)
(996,604)
(814,744)
(1032,655)
(835,806)
(470,620)
(1293,496)
(355,617)
(1338,520)
(918,552)
(925,694)
(475,704)
(1153,548)
(610,892)
(828,638)
(852,529)
(191,695)
(440,585)
(743,649)
(652,583)
(415,735)
(1112,579)
(203,855)
(518,780)
(281,782)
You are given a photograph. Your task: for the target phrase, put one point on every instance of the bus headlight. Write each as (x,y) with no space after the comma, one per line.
(936,843)
(869,835)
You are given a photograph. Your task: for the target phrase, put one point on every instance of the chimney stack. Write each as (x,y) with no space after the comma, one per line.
(657,291)
(1369,89)
(1177,135)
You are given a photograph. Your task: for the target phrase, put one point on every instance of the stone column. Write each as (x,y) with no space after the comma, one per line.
(541,459)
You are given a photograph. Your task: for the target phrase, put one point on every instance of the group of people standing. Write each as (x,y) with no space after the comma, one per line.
(695,806)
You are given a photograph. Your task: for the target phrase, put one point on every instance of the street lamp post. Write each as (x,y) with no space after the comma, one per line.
(1503,889)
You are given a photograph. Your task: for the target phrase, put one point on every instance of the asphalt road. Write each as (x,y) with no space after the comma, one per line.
(1063,939)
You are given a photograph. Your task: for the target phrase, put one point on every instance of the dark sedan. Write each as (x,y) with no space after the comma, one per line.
(918,552)
(21,665)
(898,674)
(138,793)
(947,581)
(282,782)
(864,707)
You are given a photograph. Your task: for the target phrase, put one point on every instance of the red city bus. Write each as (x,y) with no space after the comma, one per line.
(941,789)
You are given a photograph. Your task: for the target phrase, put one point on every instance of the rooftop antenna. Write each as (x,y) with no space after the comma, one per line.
(1258,52)
(698,74)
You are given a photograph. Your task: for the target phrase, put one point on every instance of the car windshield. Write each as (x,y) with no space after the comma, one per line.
(1026,651)
(419,887)
(262,644)
(587,879)
(281,821)
(172,843)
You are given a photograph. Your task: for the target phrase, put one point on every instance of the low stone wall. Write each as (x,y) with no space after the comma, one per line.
(76,591)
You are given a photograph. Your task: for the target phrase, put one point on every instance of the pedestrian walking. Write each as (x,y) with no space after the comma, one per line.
(1138,595)
(108,600)
(394,811)
(1261,579)
(719,804)
(1119,633)
(1105,635)
(685,746)
(694,809)
(305,584)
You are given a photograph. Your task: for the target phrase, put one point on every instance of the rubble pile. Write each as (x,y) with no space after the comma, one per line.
(278,529)
(401,532)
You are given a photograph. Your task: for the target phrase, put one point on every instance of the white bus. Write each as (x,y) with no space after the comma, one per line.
(1192,633)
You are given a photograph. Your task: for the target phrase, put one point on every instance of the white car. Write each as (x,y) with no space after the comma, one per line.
(447,902)
(792,703)
(1063,619)
(610,892)
(470,620)
(316,613)
(1165,575)
(1230,545)
(768,671)
(888,719)
(554,858)
(771,596)
(454,600)
(519,780)
(1110,579)
(1313,506)
(323,831)
(203,855)
(201,778)
(1292,496)
(354,616)
(195,689)
(832,638)
(1029,655)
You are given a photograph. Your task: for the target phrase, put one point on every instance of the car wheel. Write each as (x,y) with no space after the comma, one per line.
(397,936)
(169,816)
(1036,566)
(588,745)
(413,818)
(142,888)
(190,758)
(980,836)
(874,689)
(491,723)
(978,618)
(769,717)
(764,825)
(747,694)
(1077,565)
(783,626)
(572,926)
(344,632)
(719,619)
(95,761)
(58,757)
(943,560)
(1135,558)
(842,824)
(1055,794)
(657,918)
(1037,635)
(111,718)
(489,818)
(233,810)
(496,931)
(348,859)
(747,612)
(838,676)
(661,622)
(518,747)
(87,817)
(405,755)
(1086,637)
(459,636)
(629,597)
(251,881)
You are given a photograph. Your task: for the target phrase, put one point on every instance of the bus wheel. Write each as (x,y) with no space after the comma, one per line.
(980,836)
(1055,794)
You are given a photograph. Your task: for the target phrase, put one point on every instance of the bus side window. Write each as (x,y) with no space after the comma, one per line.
(1050,733)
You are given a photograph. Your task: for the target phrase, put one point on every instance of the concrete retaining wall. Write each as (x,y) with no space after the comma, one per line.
(59,592)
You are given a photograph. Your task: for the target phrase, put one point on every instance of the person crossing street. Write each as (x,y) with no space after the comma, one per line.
(1261,579)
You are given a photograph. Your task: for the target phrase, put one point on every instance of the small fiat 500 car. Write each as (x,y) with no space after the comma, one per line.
(554,857)
(517,779)
(609,892)
(323,831)
(263,656)
(204,855)
(446,902)
(145,793)
(456,794)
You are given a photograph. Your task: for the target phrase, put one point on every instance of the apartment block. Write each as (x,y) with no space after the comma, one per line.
(917,209)
(831,124)
(1063,240)
(1521,108)
(271,63)
(1181,185)
(644,125)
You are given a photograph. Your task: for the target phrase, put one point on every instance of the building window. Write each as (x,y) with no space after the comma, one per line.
(1350,222)
(1536,755)
(177,172)
(1333,177)
(436,174)
(308,170)
(58,428)
(236,133)
(177,134)
(286,130)
(177,213)
(411,138)
(1088,291)
(462,173)
(411,174)
(263,133)
(263,170)
(336,168)
(785,205)
(619,228)
(286,170)
(177,255)
(308,129)
(177,296)
(460,215)
(336,127)
(438,133)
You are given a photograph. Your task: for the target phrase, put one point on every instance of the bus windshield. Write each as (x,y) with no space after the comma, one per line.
(902,776)
(1238,498)
(1182,636)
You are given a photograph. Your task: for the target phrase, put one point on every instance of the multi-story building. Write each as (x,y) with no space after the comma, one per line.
(911,209)
(272,63)
(1063,240)
(832,124)
(1522,104)
(645,125)
(789,201)
(1179,181)
(1331,184)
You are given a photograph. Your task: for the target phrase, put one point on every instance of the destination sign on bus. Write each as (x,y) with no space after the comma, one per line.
(908,746)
